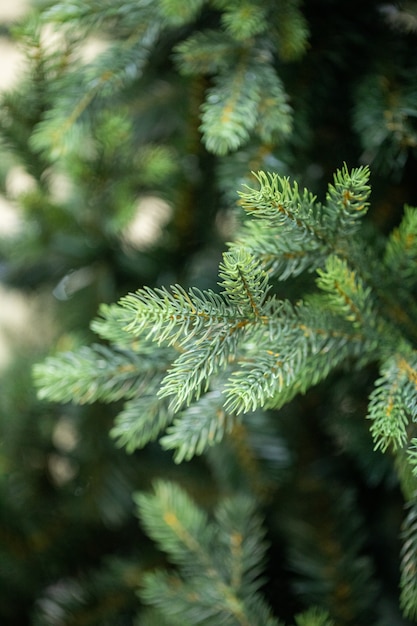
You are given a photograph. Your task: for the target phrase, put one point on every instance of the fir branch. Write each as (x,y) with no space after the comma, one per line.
(202,323)
(347,295)
(244,19)
(177,12)
(230,110)
(412,455)
(330,561)
(401,250)
(384,118)
(170,596)
(190,374)
(200,426)
(294,232)
(280,203)
(245,282)
(288,234)
(240,539)
(205,52)
(314,617)
(408,582)
(93,15)
(110,325)
(346,200)
(393,401)
(59,132)
(289,29)
(176,525)
(220,561)
(96,373)
(179,317)
(142,419)
(281,255)
(310,342)
(275,121)
(271,379)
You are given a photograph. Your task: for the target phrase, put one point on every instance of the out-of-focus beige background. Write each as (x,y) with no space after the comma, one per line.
(19,313)
(16,311)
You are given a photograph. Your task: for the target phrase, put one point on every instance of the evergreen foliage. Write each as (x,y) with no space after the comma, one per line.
(243,348)
(254,354)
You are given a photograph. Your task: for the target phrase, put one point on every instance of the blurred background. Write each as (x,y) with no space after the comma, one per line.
(108,182)
(13,309)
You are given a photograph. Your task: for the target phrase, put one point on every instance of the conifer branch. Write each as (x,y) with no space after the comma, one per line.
(205,52)
(211,372)
(394,401)
(244,280)
(347,295)
(347,200)
(110,325)
(178,13)
(291,29)
(219,561)
(275,122)
(190,374)
(244,20)
(401,249)
(408,583)
(293,232)
(97,373)
(142,419)
(177,316)
(230,110)
(307,352)
(120,64)
(200,426)
(314,617)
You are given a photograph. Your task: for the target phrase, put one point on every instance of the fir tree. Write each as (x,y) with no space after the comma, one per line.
(268,407)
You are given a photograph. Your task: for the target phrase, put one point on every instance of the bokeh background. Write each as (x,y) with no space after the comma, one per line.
(134,196)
